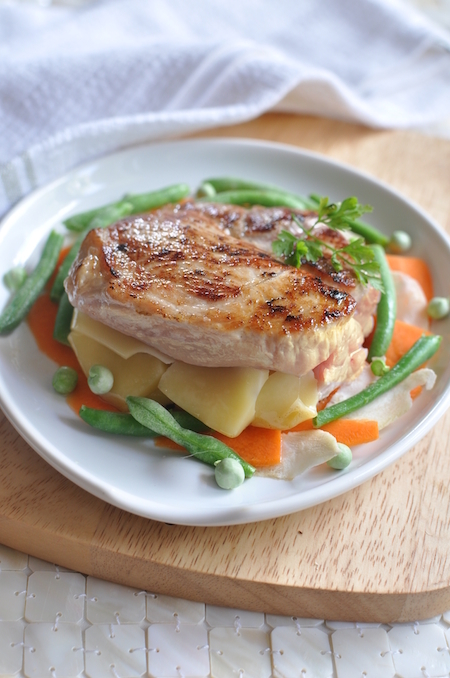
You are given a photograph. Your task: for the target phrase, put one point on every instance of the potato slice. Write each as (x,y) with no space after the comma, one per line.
(138,375)
(285,401)
(118,342)
(223,398)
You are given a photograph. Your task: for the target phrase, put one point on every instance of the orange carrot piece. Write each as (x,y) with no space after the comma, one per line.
(353,431)
(404,337)
(304,426)
(162,441)
(258,446)
(415,392)
(41,321)
(262,446)
(347,431)
(414,267)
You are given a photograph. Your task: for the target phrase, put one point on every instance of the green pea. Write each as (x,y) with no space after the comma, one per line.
(438,308)
(14,278)
(400,242)
(229,473)
(65,380)
(206,190)
(100,379)
(341,460)
(379,367)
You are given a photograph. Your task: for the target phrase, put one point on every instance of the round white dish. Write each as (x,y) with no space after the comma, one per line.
(133,474)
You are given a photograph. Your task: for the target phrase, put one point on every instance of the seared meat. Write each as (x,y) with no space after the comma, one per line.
(179,282)
(261,226)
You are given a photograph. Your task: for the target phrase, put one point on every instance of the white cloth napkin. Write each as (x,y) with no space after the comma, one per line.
(76,83)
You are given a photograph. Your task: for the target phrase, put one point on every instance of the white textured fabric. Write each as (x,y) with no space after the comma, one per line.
(78,82)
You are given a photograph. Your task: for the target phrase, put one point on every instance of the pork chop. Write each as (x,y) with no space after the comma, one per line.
(261,226)
(179,282)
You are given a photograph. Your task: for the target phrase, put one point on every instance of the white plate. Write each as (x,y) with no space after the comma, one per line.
(133,474)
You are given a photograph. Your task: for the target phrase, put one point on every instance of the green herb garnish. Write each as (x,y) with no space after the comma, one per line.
(355,255)
(337,215)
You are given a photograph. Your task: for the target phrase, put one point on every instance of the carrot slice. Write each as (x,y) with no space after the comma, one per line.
(41,320)
(262,446)
(404,337)
(414,267)
(347,431)
(415,392)
(258,446)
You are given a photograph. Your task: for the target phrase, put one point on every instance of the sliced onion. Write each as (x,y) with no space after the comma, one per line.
(300,451)
(391,405)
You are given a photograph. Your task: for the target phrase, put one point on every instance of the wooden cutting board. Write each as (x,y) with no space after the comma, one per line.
(378,553)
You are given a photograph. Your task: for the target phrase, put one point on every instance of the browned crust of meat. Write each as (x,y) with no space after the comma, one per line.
(241,284)
(265,223)
(182,285)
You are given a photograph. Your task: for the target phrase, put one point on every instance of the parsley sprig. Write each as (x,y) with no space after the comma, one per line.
(337,215)
(355,255)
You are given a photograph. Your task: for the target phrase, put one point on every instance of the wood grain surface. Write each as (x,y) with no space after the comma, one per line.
(377,553)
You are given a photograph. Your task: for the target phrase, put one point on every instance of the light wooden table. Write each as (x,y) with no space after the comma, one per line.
(377,553)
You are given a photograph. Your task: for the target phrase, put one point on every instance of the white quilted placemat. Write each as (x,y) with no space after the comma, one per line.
(55,623)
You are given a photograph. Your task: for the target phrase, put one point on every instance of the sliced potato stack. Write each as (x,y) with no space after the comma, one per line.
(227,399)
(135,368)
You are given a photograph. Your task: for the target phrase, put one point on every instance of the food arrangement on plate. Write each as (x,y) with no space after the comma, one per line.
(258,330)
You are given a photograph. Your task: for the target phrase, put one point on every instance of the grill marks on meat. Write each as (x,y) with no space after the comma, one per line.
(177,280)
(262,225)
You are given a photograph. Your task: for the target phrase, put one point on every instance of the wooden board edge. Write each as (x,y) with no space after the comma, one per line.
(223,591)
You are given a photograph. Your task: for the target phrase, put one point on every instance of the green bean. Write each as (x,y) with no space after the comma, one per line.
(17,309)
(63,320)
(422,350)
(81,222)
(203,447)
(143,202)
(386,309)
(227,184)
(370,234)
(139,203)
(256,197)
(109,215)
(122,423)
(106,218)
(221,184)
(58,285)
